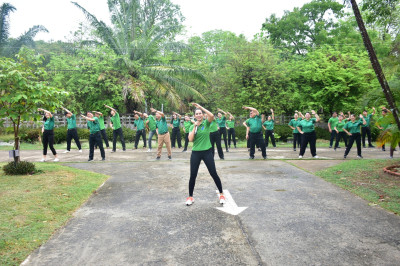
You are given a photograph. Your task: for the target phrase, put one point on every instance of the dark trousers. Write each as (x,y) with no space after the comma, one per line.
(72,134)
(248,143)
(104,137)
(296,140)
(116,133)
(269,134)
(354,137)
(308,138)
(366,131)
(257,138)
(222,132)
(48,140)
(176,135)
(186,141)
(333,137)
(151,134)
(95,139)
(339,136)
(141,133)
(215,138)
(231,135)
(208,159)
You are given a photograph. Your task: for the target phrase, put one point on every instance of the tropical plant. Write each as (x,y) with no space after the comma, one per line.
(391,134)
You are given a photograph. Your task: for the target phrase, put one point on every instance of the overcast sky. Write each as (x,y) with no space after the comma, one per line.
(61,17)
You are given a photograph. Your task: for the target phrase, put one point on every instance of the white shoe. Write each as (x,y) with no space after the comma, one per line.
(43,160)
(316,157)
(56,160)
(189,201)
(300,157)
(66,151)
(149,150)
(221,199)
(80,151)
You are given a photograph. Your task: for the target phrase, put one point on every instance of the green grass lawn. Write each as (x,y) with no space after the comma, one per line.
(366,179)
(33,207)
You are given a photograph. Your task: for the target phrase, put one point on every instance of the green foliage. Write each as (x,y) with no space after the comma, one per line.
(283,131)
(20,168)
(322,133)
(391,134)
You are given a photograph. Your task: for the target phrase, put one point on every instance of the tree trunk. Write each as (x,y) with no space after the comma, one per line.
(375,63)
(16,139)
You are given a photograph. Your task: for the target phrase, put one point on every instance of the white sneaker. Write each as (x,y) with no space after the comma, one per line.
(80,151)
(316,157)
(300,156)
(56,160)
(66,151)
(221,199)
(189,201)
(149,150)
(43,160)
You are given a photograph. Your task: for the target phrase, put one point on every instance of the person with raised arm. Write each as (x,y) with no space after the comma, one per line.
(353,128)
(95,136)
(103,132)
(151,125)
(186,128)
(201,151)
(117,130)
(296,134)
(254,132)
(230,125)
(215,139)
(332,122)
(176,130)
(162,134)
(307,130)
(140,131)
(221,121)
(268,126)
(366,130)
(72,132)
(48,134)
(339,130)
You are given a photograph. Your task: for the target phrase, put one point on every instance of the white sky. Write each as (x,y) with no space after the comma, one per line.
(61,17)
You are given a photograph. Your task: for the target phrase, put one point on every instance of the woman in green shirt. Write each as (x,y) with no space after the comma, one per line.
(176,130)
(186,129)
(200,136)
(140,131)
(293,125)
(117,130)
(306,129)
(230,125)
(221,121)
(72,133)
(48,134)
(95,136)
(151,125)
(339,130)
(103,132)
(269,129)
(353,129)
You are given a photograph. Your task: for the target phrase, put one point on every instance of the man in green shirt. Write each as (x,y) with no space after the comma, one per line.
(103,132)
(269,129)
(221,121)
(215,138)
(117,130)
(366,130)
(95,137)
(162,134)
(176,130)
(72,133)
(352,129)
(186,130)
(293,125)
(140,131)
(150,123)
(230,126)
(339,130)
(332,122)
(254,132)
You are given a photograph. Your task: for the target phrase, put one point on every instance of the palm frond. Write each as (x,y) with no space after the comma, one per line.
(5,11)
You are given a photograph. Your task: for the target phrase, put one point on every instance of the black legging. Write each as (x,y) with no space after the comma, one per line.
(333,137)
(296,140)
(208,159)
(222,132)
(48,139)
(176,135)
(72,134)
(366,131)
(139,133)
(231,135)
(104,136)
(257,138)
(308,138)
(116,133)
(269,134)
(340,135)
(215,138)
(95,139)
(186,141)
(354,137)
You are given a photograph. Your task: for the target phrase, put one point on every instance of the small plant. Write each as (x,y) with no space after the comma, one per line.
(21,168)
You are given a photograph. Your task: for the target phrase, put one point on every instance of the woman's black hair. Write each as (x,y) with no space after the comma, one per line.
(198,109)
(44,118)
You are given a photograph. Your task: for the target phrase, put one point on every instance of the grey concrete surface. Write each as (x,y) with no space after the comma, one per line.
(138,217)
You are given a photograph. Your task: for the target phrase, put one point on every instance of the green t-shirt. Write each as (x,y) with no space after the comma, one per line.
(368,120)
(71,122)
(354,127)
(221,122)
(213,126)
(162,125)
(269,125)
(176,122)
(187,125)
(340,125)
(101,123)
(255,124)
(152,123)
(49,124)
(139,123)
(202,138)
(295,123)
(230,123)
(333,122)
(116,121)
(93,126)
(307,126)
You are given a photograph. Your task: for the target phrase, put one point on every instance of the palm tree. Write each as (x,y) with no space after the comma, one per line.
(141,32)
(10,47)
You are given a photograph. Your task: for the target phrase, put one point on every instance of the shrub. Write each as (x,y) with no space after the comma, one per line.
(284,132)
(60,135)
(31,135)
(21,168)
(322,133)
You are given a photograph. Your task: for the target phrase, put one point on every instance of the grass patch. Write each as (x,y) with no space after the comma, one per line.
(366,179)
(33,207)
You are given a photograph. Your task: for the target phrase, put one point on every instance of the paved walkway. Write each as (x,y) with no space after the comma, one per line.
(293,218)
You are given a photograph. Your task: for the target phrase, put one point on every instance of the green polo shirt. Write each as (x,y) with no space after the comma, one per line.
(354,127)
(71,122)
(213,126)
(93,126)
(116,121)
(340,125)
(139,123)
(307,126)
(176,122)
(269,125)
(162,125)
(295,123)
(333,122)
(221,122)
(101,122)
(368,120)
(152,123)
(201,140)
(49,124)
(255,124)
(187,125)
(230,123)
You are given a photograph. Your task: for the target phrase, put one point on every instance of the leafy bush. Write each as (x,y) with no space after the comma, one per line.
(21,168)
(284,131)
(322,133)
(31,135)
